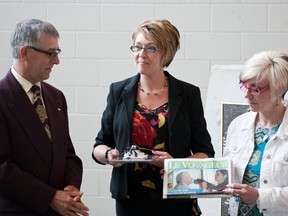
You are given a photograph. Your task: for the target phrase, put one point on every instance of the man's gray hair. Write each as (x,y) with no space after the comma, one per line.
(28,33)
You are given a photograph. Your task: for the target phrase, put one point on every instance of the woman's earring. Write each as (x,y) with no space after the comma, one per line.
(277,102)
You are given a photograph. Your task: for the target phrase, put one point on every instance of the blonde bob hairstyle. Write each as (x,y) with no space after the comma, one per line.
(271,66)
(166,36)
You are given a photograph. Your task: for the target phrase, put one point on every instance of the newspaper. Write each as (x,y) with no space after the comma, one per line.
(194,178)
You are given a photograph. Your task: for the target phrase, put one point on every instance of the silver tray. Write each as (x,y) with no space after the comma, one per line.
(133,160)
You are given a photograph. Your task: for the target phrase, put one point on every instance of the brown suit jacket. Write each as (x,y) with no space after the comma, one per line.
(31,167)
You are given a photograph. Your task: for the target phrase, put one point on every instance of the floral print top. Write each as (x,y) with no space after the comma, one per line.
(149,132)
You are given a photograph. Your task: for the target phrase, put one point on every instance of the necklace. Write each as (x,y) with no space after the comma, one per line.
(155,93)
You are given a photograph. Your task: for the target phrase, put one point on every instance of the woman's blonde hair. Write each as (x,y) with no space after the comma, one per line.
(271,66)
(166,36)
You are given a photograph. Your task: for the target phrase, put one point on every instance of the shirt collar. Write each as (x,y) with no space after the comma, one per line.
(26,85)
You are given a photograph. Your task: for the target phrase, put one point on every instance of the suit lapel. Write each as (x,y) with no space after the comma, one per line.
(55,109)
(21,107)
(57,113)
(175,98)
(129,96)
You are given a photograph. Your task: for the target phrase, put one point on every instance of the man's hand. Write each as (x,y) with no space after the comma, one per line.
(68,202)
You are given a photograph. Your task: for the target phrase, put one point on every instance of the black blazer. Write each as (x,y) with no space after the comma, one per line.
(187,126)
(31,167)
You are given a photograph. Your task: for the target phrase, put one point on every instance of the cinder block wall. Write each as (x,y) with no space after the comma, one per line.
(95,39)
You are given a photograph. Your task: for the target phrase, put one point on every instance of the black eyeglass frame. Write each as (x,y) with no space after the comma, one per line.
(149,49)
(51,54)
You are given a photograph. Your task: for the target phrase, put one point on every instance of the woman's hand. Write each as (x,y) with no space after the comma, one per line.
(248,194)
(159,157)
(113,154)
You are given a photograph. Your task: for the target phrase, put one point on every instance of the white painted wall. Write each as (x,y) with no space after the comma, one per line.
(95,39)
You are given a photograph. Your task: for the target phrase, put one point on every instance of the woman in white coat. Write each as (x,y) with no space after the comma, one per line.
(257,141)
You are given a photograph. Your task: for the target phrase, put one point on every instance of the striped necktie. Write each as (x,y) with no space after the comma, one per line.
(40,109)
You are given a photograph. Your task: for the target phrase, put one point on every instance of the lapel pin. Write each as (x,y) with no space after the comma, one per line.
(58,109)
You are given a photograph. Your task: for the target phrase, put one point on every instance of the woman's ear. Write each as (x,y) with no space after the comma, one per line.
(285,98)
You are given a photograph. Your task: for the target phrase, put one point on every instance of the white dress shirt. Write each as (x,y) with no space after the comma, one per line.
(26,85)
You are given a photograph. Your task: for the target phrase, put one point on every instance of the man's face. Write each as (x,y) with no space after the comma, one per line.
(187,179)
(38,65)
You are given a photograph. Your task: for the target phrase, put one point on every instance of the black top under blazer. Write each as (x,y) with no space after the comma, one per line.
(187,125)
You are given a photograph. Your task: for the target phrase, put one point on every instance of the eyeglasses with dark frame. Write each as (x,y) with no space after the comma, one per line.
(148,49)
(51,53)
(255,90)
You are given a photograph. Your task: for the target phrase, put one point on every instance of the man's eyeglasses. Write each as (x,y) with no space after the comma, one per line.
(148,49)
(255,90)
(51,53)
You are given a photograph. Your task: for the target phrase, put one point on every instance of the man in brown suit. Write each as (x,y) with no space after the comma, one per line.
(40,174)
